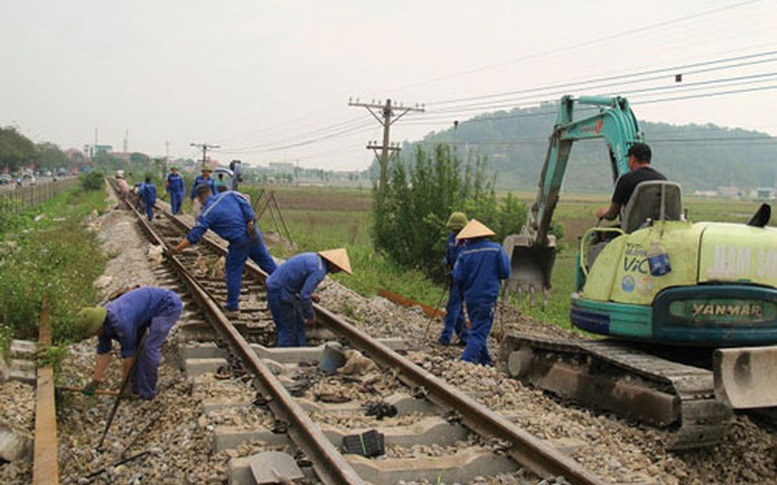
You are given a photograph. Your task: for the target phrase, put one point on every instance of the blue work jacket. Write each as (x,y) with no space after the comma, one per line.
(454,248)
(200,180)
(175,183)
(148,193)
(129,315)
(227,214)
(298,278)
(480,266)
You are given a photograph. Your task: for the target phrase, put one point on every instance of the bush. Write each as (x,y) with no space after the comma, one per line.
(92,181)
(53,257)
(409,218)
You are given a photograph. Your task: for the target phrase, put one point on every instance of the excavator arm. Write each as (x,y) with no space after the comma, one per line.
(533,251)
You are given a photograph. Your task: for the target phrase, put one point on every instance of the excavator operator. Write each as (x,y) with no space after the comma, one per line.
(639,156)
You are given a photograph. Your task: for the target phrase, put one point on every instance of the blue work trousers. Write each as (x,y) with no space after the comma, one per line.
(149,210)
(239,251)
(176,198)
(289,322)
(482,318)
(145,375)
(454,319)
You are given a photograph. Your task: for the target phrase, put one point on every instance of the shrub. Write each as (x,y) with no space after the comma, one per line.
(409,218)
(92,180)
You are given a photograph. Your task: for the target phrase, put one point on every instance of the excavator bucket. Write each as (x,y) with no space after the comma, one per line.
(532,265)
(746,377)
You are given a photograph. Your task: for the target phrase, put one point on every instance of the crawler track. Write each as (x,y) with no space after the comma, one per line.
(470,439)
(617,377)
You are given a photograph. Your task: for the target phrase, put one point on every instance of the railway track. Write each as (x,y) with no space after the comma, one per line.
(421,427)
(424,441)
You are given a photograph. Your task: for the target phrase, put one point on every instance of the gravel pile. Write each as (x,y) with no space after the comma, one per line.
(175,434)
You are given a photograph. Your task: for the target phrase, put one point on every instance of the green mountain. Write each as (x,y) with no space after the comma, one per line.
(699,157)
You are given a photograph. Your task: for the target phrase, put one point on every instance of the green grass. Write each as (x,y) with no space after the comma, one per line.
(53,256)
(322,218)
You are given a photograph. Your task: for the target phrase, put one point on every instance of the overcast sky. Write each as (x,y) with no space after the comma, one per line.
(270,80)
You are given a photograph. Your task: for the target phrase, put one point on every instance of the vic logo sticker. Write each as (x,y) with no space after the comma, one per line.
(633,264)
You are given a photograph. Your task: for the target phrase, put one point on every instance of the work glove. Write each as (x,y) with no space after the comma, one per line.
(91,388)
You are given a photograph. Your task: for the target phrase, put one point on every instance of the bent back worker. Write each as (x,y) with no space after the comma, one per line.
(175,186)
(454,316)
(123,190)
(126,320)
(478,271)
(639,156)
(290,292)
(229,215)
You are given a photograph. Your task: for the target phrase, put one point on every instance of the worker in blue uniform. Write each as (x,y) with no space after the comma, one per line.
(229,215)
(147,193)
(203,179)
(478,271)
(290,292)
(454,317)
(143,312)
(175,186)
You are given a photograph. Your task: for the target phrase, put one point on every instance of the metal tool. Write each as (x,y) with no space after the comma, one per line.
(121,391)
(436,310)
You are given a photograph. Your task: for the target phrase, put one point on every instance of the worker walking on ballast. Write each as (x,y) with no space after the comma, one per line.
(454,316)
(126,320)
(147,193)
(176,187)
(478,271)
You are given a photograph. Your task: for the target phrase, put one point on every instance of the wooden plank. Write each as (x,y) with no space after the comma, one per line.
(409,302)
(46,467)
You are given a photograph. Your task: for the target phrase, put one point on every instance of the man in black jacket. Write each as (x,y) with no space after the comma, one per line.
(639,156)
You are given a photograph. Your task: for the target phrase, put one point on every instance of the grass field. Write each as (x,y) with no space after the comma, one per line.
(322,218)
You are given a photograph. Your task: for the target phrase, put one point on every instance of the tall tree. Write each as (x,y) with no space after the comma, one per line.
(16,150)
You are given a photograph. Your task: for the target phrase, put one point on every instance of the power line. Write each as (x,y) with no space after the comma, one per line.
(577,45)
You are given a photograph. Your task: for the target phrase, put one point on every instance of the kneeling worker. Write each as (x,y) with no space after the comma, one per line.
(290,292)
(127,319)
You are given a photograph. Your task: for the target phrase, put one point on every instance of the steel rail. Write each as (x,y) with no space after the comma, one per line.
(523,447)
(329,464)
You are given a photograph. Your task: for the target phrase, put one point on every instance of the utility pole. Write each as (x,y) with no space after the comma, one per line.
(167,157)
(389,115)
(204,147)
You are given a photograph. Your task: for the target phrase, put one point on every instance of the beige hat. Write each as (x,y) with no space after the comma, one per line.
(473,229)
(338,257)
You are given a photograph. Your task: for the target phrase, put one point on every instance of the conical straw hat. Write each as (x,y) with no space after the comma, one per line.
(338,257)
(473,229)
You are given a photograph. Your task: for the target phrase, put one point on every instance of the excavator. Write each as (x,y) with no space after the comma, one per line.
(685,313)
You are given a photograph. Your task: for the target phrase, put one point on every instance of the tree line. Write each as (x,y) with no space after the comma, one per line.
(699,157)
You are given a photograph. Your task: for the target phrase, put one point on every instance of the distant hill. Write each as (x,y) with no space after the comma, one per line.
(698,157)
